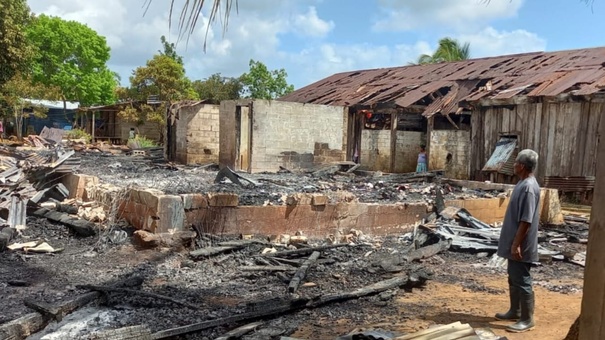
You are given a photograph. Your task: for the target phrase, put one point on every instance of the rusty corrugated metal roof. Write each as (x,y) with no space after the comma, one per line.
(503,157)
(580,72)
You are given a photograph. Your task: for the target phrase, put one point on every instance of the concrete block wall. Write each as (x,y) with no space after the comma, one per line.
(456,143)
(286,133)
(313,214)
(197,134)
(407,147)
(376,150)
(323,154)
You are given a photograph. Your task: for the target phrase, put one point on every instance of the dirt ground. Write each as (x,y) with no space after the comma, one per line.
(445,303)
(462,288)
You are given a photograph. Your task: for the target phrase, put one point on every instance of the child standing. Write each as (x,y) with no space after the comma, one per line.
(421,166)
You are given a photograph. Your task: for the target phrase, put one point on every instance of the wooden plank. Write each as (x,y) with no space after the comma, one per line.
(571,134)
(558,156)
(539,140)
(487,133)
(580,147)
(550,141)
(545,127)
(565,155)
(590,147)
(505,117)
(529,128)
(430,331)
(592,317)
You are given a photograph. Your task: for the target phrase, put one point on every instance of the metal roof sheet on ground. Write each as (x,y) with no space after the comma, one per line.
(557,72)
(502,156)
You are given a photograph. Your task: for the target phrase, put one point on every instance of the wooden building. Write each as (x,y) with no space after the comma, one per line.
(477,114)
(105,124)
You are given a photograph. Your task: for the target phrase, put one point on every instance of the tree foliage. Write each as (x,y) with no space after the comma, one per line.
(73,57)
(260,83)
(217,88)
(15,97)
(15,49)
(448,50)
(170,50)
(152,87)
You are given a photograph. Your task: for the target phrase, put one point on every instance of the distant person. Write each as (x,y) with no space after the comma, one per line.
(421,165)
(1,130)
(519,242)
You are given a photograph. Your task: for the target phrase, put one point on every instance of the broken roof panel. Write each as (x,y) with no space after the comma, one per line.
(503,157)
(553,73)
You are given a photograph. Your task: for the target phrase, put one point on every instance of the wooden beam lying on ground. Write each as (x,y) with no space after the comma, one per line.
(267,269)
(126,333)
(304,251)
(76,224)
(239,331)
(428,251)
(301,273)
(106,289)
(289,306)
(375,288)
(31,323)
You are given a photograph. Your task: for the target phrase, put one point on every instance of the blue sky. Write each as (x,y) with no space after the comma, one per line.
(313,39)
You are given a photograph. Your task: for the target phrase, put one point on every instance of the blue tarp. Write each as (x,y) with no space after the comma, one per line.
(55,118)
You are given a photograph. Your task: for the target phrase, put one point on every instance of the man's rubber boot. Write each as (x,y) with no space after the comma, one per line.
(514,312)
(526,322)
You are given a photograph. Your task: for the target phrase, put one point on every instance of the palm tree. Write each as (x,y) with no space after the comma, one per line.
(449,50)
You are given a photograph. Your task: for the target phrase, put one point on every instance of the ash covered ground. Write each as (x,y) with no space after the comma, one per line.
(272,188)
(219,286)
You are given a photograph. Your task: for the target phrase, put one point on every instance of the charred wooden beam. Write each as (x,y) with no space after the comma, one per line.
(301,273)
(305,251)
(106,289)
(239,331)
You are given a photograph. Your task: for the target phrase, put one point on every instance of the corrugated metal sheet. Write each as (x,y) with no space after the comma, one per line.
(570,184)
(503,157)
(533,74)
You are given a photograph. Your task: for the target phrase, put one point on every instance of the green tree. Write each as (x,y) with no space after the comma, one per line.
(448,50)
(72,57)
(15,94)
(161,81)
(260,83)
(15,49)
(217,88)
(170,50)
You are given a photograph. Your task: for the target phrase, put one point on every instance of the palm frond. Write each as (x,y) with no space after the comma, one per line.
(191,11)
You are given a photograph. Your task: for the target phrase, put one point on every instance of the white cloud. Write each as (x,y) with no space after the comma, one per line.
(326,59)
(490,42)
(405,15)
(134,36)
(311,25)
(263,30)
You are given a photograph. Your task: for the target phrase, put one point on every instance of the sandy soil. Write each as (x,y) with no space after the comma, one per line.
(443,303)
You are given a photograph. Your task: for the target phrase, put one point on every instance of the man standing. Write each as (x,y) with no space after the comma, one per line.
(519,242)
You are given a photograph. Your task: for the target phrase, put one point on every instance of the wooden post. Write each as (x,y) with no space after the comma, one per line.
(429,132)
(93,127)
(394,121)
(592,318)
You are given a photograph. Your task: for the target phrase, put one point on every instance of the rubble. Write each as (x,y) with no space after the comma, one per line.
(213,285)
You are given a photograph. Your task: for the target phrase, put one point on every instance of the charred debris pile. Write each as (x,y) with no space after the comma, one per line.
(270,277)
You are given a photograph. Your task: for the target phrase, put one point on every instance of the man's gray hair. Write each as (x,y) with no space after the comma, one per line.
(529,158)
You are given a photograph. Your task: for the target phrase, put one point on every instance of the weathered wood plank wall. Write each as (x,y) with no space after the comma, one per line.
(564,135)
